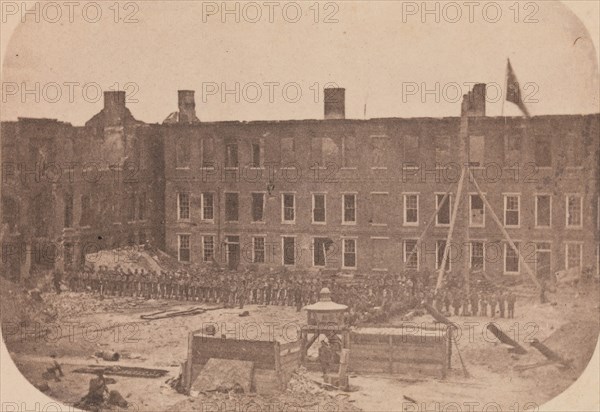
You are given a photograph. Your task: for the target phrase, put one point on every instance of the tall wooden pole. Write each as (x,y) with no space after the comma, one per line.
(452,224)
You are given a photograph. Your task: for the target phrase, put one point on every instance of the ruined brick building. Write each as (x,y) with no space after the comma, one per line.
(68,191)
(333,194)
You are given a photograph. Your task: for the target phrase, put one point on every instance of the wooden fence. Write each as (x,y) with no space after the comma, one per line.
(414,352)
(274,362)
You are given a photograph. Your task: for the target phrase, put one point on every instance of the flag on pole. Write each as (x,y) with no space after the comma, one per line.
(513,90)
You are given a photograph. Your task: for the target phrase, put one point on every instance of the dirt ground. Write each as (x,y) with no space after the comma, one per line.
(75,326)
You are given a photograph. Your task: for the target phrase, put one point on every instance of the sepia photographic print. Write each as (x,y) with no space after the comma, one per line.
(248,206)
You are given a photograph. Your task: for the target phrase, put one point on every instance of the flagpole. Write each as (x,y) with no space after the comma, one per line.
(506,85)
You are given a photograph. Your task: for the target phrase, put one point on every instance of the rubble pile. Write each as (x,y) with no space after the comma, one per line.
(302,384)
(146,257)
(20,305)
(72,304)
(302,393)
(287,401)
(129,257)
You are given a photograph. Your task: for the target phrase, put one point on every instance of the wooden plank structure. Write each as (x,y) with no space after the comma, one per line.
(274,362)
(407,350)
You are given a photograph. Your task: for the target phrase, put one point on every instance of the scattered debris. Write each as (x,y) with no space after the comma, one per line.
(408,398)
(550,354)
(42,387)
(165,314)
(127,371)
(36,295)
(520,368)
(177,383)
(94,399)
(504,338)
(54,371)
(128,355)
(224,375)
(108,356)
(115,399)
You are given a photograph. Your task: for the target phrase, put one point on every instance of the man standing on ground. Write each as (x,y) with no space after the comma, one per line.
(501,305)
(324,357)
(511,299)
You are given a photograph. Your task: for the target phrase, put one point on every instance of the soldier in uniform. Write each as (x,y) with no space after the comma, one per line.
(483,305)
(122,284)
(511,299)
(314,291)
(291,295)
(79,280)
(274,290)
(439,301)
(493,302)
(447,300)
(242,292)
(429,297)
(466,302)
(203,288)
(144,283)
(134,280)
(184,284)
(103,281)
(127,275)
(208,284)
(147,283)
(192,285)
(155,285)
(114,281)
(267,289)
(232,292)
(175,285)
(501,303)
(83,281)
(474,303)
(102,278)
(298,295)
(324,357)
(71,279)
(169,284)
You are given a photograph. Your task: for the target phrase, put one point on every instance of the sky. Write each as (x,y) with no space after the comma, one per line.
(394,59)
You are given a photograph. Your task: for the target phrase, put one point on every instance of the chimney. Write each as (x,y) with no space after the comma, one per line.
(335,103)
(114,107)
(187,106)
(473,104)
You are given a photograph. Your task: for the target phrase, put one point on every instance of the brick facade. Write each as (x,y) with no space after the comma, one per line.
(351,195)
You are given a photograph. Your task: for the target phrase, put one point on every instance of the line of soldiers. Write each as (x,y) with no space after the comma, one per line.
(477,303)
(229,289)
(370,299)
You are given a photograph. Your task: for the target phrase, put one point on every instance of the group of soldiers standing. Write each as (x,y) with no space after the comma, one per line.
(229,289)
(477,303)
(376,299)
(370,299)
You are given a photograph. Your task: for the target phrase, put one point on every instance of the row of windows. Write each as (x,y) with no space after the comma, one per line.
(381,207)
(257,211)
(382,150)
(135,208)
(260,253)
